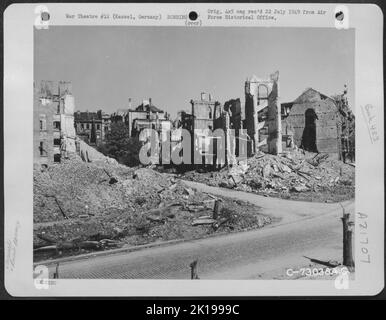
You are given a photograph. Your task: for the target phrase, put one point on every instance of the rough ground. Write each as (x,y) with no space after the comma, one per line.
(311,235)
(295,176)
(81,207)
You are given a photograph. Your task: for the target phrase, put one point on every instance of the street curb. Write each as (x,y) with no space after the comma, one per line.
(108,252)
(85,256)
(145,246)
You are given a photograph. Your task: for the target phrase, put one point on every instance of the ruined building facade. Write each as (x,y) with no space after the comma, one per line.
(92,127)
(146,115)
(313,122)
(241,137)
(262,110)
(319,123)
(53,116)
(207,115)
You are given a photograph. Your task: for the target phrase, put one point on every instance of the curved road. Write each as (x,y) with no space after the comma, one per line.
(306,229)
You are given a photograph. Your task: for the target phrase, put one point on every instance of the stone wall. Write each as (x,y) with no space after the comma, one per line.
(53,117)
(43,112)
(260,95)
(327,122)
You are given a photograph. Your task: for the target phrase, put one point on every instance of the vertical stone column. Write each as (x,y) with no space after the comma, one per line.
(229,141)
(255,121)
(67,128)
(279,145)
(251,114)
(274,117)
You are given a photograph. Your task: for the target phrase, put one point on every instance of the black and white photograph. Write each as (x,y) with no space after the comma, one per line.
(178,154)
(215,143)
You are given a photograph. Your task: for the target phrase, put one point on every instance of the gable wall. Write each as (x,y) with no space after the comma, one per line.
(327,130)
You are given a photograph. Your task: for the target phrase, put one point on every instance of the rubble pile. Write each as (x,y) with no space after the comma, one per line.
(81,206)
(293,175)
(76,189)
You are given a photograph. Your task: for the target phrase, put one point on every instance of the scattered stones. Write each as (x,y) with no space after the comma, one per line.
(299,188)
(267,170)
(270,174)
(141,206)
(189,191)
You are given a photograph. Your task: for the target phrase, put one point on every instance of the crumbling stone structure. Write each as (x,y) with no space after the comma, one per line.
(92,127)
(262,97)
(320,123)
(347,143)
(203,119)
(233,108)
(144,116)
(54,131)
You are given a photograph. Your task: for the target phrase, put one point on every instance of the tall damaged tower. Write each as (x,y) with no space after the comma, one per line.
(262,109)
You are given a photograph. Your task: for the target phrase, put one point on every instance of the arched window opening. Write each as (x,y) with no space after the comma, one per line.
(309,132)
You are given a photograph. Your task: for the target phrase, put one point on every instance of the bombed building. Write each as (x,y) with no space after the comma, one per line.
(145,115)
(53,116)
(313,122)
(92,127)
(241,137)
(263,114)
(319,123)
(207,115)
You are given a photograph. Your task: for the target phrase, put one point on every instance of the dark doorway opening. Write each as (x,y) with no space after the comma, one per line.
(309,132)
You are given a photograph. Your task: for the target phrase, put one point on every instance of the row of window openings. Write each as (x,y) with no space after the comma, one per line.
(88,126)
(56,125)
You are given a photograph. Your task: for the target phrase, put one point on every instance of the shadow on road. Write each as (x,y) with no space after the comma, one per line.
(330,264)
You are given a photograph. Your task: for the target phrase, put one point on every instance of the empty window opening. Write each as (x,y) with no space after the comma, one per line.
(57,157)
(42,125)
(262,93)
(41,148)
(56,142)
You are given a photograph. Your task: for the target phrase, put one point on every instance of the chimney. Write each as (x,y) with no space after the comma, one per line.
(210,97)
(129,103)
(149,102)
(203,96)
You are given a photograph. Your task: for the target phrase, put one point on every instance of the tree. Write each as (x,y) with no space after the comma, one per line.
(120,145)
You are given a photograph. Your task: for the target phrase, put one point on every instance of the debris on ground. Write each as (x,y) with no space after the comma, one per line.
(81,207)
(292,175)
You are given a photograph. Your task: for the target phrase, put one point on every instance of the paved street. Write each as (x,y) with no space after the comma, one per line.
(307,229)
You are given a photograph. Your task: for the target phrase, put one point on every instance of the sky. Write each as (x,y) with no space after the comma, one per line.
(172,65)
